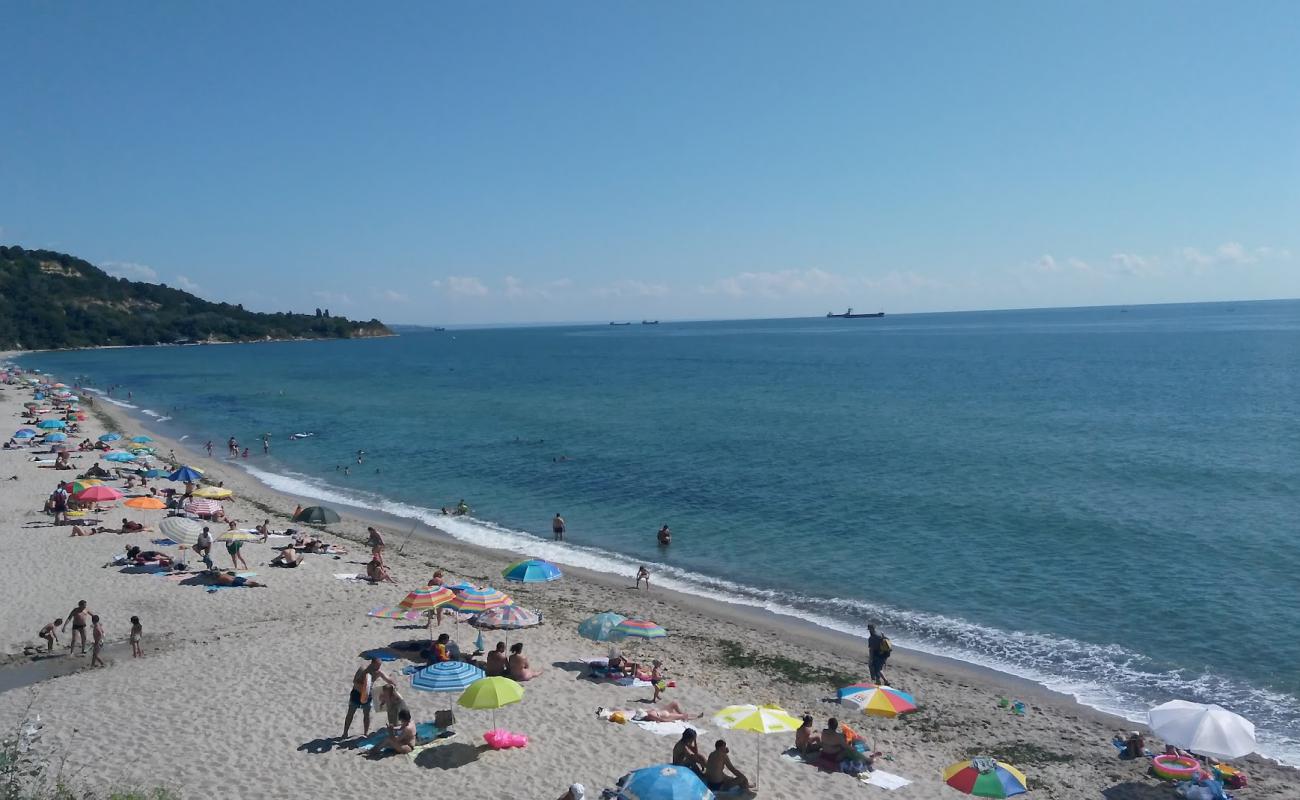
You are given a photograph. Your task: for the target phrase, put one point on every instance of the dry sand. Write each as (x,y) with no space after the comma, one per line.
(242,692)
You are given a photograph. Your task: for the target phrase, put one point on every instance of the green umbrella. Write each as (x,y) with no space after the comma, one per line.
(317,515)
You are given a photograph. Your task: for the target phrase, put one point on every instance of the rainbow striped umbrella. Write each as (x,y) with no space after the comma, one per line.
(532,571)
(507,618)
(427,598)
(986,777)
(390,612)
(636,629)
(475,600)
(878,701)
(448,676)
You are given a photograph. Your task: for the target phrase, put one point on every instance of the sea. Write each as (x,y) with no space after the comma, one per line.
(1102,500)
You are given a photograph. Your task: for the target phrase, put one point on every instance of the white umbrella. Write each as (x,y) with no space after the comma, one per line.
(1206,730)
(181,530)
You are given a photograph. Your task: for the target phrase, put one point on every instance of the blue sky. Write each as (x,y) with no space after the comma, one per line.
(483,162)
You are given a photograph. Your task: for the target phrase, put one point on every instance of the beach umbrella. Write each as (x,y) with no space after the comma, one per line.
(636,629)
(84,483)
(317,515)
(98,494)
(506,618)
(1207,730)
(390,612)
(141,439)
(202,507)
(150,503)
(110,437)
(56,437)
(448,676)
(475,600)
(757,719)
(491,693)
(181,530)
(532,571)
(598,628)
(427,598)
(185,475)
(878,701)
(155,473)
(120,456)
(214,493)
(238,536)
(663,782)
(51,423)
(24,433)
(986,777)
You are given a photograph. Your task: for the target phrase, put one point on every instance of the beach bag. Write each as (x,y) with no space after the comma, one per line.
(885,647)
(444,719)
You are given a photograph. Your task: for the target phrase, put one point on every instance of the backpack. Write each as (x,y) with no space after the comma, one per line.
(885,648)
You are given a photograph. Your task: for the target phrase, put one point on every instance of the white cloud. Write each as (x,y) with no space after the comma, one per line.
(1133,264)
(780,283)
(631,288)
(393,296)
(333,298)
(130,270)
(188,285)
(462,286)
(1232,253)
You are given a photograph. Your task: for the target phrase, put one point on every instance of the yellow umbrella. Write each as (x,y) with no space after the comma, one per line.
(152,503)
(214,493)
(238,536)
(757,719)
(491,693)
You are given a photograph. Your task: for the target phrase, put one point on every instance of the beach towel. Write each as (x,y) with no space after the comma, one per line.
(425,732)
(163,542)
(885,780)
(667,728)
(353,577)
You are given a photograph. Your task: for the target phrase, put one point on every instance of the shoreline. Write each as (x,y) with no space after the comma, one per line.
(307,628)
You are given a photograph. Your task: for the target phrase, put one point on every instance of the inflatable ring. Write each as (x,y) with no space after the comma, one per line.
(1175,768)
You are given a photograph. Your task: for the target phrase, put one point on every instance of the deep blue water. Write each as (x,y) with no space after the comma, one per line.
(1103,500)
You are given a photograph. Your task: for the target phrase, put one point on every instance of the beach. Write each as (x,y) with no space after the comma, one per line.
(242,692)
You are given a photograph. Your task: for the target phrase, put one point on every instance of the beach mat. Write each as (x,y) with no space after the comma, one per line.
(425,733)
(667,728)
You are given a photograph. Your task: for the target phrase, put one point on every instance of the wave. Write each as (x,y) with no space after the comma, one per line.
(1109,678)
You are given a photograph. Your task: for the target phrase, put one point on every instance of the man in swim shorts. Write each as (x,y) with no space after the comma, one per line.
(719,764)
(362,681)
(557,527)
(79,617)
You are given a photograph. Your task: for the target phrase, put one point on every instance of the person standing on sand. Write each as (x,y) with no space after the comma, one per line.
(557,527)
(78,616)
(362,682)
(233,549)
(137,633)
(97,637)
(643,574)
(878,649)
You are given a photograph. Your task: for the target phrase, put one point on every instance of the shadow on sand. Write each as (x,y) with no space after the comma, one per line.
(449,756)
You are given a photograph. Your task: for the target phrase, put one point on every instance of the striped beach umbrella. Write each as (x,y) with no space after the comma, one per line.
(986,777)
(203,508)
(83,484)
(181,530)
(878,701)
(506,618)
(599,627)
(98,494)
(448,676)
(476,599)
(757,719)
(532,571)
(391,612)
(663,782)
(427,598)
(636,629)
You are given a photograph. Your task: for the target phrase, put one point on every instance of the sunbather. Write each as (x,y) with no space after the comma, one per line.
(718,766)
(403,741)
(376,572)
(686,753)
(519,667)
(673,712)
(219,578)
(288,558)
(807,740)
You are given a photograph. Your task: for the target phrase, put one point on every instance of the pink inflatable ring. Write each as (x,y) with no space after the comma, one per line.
(1175,768)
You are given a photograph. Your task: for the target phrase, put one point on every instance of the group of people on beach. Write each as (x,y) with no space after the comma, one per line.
(81,618)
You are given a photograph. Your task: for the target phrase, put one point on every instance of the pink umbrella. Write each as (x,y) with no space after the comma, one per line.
(98,494)
(204,508)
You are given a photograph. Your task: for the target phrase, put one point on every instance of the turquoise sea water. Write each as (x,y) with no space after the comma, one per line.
(1103,500)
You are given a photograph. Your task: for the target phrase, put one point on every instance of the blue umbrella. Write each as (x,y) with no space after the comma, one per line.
(186,474)
(51,423)
(110,437)
(663,782)
(122,457)
(141,439)
(24,433)
(532,571)
(55,437)
(448,676)
(597,628)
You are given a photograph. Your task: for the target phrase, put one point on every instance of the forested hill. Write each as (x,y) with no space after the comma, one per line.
(50,300)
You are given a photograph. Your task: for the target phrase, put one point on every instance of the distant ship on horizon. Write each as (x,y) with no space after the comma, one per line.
(850,315)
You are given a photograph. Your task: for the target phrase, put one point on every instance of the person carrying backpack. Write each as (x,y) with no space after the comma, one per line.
(878,648)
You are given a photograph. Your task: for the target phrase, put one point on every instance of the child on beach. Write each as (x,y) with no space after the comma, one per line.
(97,641)
(643,574)
(50,633)
(137,632)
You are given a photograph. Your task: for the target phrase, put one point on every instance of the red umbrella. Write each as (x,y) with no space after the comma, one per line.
(98,494)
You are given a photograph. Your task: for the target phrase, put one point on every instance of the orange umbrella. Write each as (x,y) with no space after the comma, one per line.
(145,502)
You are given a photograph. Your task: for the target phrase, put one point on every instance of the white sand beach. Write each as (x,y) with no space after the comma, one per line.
(242,692)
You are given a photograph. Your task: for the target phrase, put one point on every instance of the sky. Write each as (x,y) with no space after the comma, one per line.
(457,163)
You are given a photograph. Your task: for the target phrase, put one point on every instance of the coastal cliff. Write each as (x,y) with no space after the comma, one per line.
(51,300)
